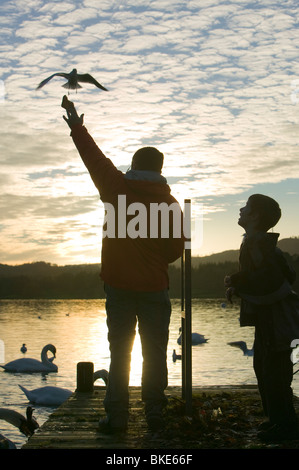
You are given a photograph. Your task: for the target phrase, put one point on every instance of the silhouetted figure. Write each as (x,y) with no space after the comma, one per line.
(269,304)
(135,258)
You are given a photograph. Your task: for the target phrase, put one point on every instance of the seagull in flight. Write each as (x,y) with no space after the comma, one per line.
(73,79)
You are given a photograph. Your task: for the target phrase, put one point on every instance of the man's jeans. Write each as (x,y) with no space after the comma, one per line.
(152,309)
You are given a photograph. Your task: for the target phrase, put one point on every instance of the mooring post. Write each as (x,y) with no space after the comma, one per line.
(85,377)
(188,308)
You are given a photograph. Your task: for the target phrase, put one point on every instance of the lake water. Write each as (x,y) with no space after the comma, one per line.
(78,330)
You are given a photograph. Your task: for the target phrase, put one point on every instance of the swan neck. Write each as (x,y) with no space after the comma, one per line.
(44,357)
(12,417)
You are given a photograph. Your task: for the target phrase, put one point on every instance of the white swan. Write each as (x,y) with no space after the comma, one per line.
(33,365)
(26,425)
(243,346)
(196,338)
(47,396)
(55,396)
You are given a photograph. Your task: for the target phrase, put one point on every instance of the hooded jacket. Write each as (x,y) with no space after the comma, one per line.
(138,263)
(262,266)
(264,285)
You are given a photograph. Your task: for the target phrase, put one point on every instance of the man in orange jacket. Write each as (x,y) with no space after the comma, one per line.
(136,252)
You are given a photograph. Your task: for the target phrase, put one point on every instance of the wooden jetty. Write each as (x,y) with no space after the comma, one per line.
(74,425)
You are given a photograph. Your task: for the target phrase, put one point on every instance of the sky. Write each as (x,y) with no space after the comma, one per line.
(214,85)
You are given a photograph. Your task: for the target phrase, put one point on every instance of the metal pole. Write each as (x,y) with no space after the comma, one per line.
(183,325)
(188,308)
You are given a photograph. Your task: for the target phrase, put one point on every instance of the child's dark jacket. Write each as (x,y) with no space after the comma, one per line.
(264,284)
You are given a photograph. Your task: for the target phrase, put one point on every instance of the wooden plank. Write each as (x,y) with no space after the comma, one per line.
(74,425)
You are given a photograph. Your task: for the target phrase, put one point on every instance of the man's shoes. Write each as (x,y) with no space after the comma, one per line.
(265,426)
(154,419)
(106,427)
(155,423)
(276,434)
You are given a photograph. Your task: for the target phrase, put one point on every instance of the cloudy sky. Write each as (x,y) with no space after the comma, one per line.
(213,84)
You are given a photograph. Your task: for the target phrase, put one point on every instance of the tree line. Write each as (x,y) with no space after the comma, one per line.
(46,281)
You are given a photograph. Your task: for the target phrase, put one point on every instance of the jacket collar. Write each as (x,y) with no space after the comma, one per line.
(145,175)
(268,238)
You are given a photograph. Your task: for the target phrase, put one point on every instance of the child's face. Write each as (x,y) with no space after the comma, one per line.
(247,218)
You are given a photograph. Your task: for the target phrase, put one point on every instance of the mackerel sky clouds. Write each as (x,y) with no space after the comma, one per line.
(213,84)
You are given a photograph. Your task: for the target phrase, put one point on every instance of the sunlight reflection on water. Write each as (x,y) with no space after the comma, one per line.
(78,330)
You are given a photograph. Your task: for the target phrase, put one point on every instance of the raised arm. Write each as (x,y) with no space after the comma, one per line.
(101,169)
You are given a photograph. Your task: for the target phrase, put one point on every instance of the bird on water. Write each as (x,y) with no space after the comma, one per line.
(27,425)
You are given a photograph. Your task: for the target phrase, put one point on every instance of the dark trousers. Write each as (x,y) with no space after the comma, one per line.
(152,310)
(274,373)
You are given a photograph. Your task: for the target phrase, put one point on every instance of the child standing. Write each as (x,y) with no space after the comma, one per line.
(268,303)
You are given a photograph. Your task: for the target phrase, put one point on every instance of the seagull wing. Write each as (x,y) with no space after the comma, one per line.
(86,77)
(65,75)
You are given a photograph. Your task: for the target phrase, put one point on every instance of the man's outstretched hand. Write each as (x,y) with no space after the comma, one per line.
(72,115)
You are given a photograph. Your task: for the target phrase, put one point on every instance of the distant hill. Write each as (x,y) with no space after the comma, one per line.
(41,268)
(289,245)
(41,280)
(222,257)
